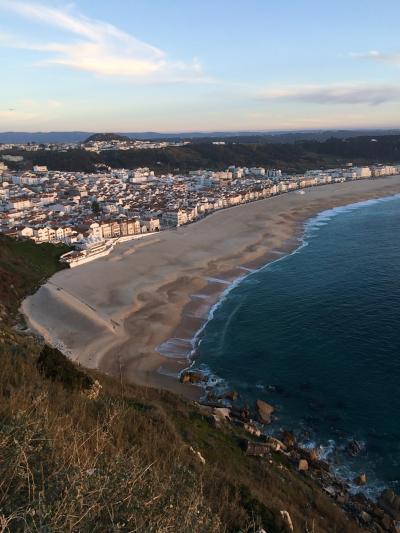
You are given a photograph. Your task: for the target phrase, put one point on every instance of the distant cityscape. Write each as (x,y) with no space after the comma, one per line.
(92,212)
(94,145)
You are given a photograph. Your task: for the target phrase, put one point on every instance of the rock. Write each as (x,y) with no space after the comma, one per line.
(313,455)
(395,528)
(231,395)
(252,429)
(360,498)
(331,491)
(378,512)
(213,421)
(354,448)
(287,520)
(390,502)
(264,411)
(386,522)
(223,414)
(303,465)
(360,480)
(342,499)
(365,517)
(241,414)
(276,444)
(288,439)
(192,376)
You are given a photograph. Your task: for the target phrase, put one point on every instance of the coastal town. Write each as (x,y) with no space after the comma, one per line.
(91,212)
(97,143)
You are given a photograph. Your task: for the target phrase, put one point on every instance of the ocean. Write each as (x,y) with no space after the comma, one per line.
(317,334)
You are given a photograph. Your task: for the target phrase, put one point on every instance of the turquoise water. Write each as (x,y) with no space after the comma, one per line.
(317,334)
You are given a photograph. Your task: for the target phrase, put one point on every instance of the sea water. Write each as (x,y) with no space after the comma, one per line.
(317,334)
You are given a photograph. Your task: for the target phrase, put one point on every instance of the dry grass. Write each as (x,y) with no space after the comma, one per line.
(71,464)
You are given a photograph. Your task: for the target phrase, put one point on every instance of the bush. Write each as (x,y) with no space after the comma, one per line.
(53,365)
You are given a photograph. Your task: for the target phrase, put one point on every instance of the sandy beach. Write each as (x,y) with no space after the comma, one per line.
(133,313)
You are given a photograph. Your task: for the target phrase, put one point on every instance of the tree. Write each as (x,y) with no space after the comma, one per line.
(96,207)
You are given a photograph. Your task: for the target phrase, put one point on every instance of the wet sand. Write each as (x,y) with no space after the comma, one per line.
(117,313)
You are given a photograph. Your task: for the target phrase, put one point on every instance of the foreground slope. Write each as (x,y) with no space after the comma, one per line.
(83,452)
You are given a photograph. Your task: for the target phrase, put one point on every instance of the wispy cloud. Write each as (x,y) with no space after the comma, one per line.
(372,95)
(379,57)
(101,48)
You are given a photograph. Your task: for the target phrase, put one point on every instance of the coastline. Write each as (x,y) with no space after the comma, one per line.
(140,324)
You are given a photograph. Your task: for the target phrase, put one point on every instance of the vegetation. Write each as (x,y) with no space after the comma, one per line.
(81,451)
(106,137)
(291,157)
(23,268)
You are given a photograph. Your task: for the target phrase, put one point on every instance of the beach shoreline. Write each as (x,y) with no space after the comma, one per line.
(135,313)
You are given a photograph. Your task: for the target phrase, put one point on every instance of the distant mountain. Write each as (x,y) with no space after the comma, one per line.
(233,136)
(107,137)
(43,137)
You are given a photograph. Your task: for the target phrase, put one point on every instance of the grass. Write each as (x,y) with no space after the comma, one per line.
(24,265)
(74,457)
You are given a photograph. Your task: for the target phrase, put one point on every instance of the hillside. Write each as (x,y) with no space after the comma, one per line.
(82,452)
(290,157)
(106,137)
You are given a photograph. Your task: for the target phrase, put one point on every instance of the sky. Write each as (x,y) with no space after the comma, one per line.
(190,65)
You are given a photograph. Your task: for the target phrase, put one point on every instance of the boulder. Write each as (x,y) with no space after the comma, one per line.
(222,414)
(377,512)
(288,439)
(331,491)
(313,455)
(303,465)
(342,498)
(390,502)
(361,480)
(386,522)
(354,448)
(365,517)
(252,429)
(264,411)
(276,444)
(241,413)
(231,396)
(214,421)
(192,376)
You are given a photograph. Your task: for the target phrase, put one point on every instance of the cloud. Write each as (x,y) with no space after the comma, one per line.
(374,55)
(336,94)
(98,47)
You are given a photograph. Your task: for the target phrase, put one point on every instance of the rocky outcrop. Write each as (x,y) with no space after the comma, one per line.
(192,376)
(276,444)
(303,465)
(264,411)
(232,396)
(354,448)
(361,480)
(390,502)
(288,439)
